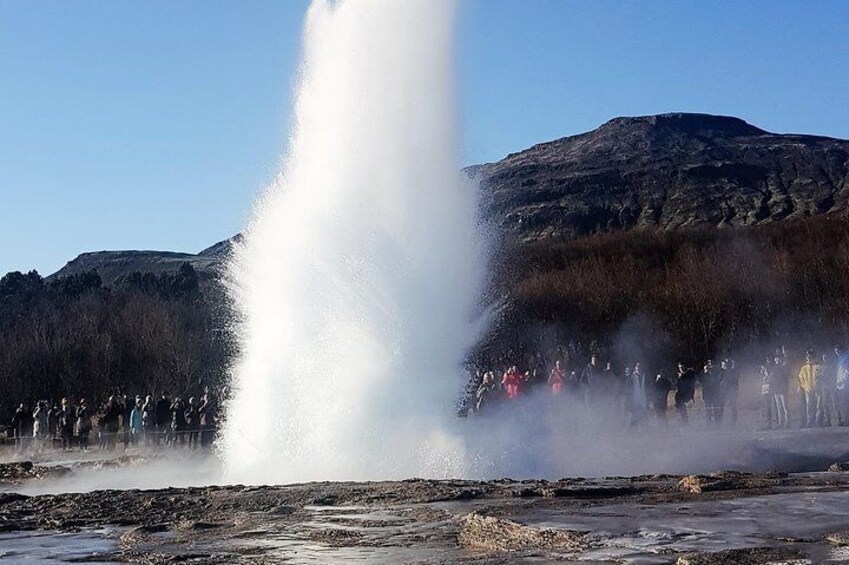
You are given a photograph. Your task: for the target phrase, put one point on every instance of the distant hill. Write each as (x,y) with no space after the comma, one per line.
(112,264)
(665,172)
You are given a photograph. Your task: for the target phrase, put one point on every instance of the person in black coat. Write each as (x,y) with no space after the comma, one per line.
(685,390)
(83,424)
(109,422)
(179,425)
(19,424)
(660,388)
(591,379)
(53,421)
(711,379)
(67,419)
(162,419)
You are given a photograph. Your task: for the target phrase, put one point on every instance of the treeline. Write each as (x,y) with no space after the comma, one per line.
(75,337)
(654,296)
(692,294)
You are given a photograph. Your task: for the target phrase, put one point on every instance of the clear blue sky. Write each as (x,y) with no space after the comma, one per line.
(153,124)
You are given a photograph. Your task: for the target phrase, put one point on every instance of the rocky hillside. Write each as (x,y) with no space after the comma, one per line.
(666,171)
(112,264)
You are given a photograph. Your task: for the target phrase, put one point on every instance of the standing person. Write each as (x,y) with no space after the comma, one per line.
(660,396)
(685,389)
(116,407)
(26,430)
(162,419)
(827,392)
(590,379)
(464,402)
(779,385)
(136,420)
(67,419)
(83,424)
(511,382)
(540,369)
(206,413)
(110,421)
(808,383)
(637,400)
(53,423)
(127,406)
(148,419)
(768,405)
(18,425)
(39,416)
(712,393)
(730,387)
(178,421)
(102,443)
(192,423)
(557,378)
(841,365)
(486,391)
(611,395)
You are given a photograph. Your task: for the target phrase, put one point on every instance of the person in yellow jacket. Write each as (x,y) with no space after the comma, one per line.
(809,376)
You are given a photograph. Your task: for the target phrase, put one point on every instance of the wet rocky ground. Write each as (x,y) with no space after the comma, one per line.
(720,518)
(796,515)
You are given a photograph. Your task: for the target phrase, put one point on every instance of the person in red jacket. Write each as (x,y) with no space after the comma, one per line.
(557,378)
(512,381)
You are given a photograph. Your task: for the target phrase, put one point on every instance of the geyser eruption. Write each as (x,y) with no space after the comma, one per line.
(360,270)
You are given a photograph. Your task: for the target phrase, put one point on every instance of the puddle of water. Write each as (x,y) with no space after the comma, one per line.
(364,536)
(56,547)
(644,535)
(358,520)
(306,552)
(331,508)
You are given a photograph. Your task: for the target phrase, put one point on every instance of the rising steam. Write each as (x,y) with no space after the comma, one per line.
(360,269)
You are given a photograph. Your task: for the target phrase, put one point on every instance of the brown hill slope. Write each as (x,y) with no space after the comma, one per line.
(665,171)
(111,265)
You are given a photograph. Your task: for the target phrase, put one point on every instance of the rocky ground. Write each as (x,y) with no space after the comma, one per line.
(428,521)
(107,508)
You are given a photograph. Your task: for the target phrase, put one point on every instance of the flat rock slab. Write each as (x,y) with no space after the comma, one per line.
(499,535)
(840,539)
(729,480)
(17,473)
(754,556)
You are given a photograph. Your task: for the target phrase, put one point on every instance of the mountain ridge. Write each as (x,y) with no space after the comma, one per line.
(666,171)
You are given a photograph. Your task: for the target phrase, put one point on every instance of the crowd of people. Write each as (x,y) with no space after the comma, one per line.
(120,419)
(823,385)
(631,395)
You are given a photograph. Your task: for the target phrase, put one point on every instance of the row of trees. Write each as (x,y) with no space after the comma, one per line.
(692,294)
(76,337)
(657,296)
